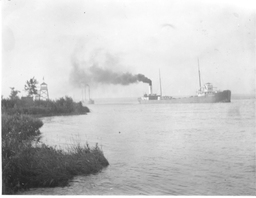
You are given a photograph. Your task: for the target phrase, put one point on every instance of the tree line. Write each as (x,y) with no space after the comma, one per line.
(64,105)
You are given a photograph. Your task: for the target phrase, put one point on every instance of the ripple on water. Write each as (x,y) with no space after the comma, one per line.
(206,149)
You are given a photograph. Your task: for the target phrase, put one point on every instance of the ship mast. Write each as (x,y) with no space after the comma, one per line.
(83,87)
(160,84)
(82,94)
(88,91)
(199,75)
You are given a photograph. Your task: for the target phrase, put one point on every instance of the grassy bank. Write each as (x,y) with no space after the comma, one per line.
(61,106)
(47,167)
(28,163)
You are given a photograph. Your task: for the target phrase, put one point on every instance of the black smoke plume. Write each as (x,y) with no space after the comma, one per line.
(96,75)
(94,72)
(106,76)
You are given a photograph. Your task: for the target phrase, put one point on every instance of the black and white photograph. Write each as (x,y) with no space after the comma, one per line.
(128,97)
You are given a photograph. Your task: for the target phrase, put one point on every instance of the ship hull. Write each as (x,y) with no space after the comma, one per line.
(223,97)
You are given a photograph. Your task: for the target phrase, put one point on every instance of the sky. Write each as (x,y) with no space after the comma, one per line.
(61,41)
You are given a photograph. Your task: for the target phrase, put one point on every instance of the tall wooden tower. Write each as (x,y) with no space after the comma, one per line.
(44,94)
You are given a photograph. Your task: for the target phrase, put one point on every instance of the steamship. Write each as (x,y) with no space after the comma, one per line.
(206,94)
(84,100)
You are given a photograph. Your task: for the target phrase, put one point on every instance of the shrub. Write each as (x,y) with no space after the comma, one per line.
(18,131)
(18,134)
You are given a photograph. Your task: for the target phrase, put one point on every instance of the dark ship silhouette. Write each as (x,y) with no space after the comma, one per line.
(206,94)
(84,100)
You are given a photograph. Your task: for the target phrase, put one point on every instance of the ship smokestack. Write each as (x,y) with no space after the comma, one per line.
(150,88)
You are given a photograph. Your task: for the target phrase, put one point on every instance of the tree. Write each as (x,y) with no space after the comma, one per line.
(14,94)
(30,87)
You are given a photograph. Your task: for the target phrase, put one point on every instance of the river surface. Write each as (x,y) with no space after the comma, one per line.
(164,149)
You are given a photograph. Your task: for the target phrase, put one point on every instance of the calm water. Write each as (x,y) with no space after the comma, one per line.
(165,149)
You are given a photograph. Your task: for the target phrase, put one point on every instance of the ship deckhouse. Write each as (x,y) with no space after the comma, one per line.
(207,89)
